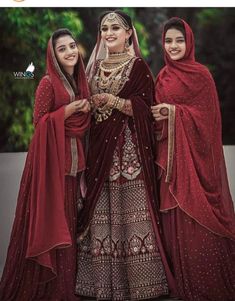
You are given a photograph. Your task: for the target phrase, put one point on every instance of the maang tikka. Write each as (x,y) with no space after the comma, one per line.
(111,17)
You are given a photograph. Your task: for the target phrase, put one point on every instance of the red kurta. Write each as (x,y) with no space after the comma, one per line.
(41,257)
(198,214)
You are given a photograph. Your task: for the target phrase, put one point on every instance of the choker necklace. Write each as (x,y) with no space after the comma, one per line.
(115,62)
(117,57)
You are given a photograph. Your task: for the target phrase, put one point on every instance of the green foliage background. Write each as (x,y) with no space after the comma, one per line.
(24,36)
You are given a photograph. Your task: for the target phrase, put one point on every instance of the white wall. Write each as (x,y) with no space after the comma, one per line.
(11,167)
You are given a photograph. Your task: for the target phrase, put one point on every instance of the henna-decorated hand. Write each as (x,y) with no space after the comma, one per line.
(161,111)
(81,105)
(99,100)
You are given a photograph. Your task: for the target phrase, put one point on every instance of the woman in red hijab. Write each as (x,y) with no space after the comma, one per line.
(41,260)
(196,205)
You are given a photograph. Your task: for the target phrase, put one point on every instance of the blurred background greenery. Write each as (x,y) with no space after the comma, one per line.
(24,36)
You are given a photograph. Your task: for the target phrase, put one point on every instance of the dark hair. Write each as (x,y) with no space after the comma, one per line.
(61,32)
(123,16)
(176,24)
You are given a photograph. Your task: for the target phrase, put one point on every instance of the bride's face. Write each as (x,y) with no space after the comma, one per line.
(114,36)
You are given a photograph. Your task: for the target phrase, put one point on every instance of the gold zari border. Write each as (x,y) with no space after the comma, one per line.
(171,140)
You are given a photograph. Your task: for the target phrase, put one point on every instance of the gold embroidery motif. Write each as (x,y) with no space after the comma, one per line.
(171,140)
(119,258)
(115,170)
(74,155)
(129,167)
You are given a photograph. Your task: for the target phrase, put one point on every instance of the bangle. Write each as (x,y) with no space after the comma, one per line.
(111,101)
(119,103)
(116,102)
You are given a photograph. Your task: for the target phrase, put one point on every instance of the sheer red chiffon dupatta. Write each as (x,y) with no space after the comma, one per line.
(197,176)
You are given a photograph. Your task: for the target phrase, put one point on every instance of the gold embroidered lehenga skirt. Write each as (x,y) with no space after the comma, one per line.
(119,258)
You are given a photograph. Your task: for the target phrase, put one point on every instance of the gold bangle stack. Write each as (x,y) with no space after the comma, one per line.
(119,103)
(114,102)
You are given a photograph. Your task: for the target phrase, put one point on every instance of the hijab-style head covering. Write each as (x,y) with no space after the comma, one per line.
(58,75)
(184,77)
(41,226)
(197,179)
(55,141)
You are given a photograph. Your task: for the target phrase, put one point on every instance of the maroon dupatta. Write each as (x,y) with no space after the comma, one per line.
(102,143)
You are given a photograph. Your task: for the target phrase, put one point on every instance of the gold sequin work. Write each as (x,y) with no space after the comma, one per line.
(119,258)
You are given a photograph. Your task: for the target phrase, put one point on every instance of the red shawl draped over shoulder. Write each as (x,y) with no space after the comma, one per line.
(40,225)
(190,152)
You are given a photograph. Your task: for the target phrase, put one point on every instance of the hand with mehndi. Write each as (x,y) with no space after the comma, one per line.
(80,105)
(99,100)
(160,111)
(83,105)
(109,101)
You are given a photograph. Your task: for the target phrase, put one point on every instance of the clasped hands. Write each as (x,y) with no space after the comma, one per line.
(106,101)
(80,105)
(161,111)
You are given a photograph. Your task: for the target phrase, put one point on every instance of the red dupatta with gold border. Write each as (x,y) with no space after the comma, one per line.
(47,226)
(189,149)
(40,226)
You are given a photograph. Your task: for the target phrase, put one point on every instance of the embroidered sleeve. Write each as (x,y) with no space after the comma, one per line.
(44,99)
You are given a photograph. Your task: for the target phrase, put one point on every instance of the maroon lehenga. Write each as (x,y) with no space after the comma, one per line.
(197,209)
(41,259)
(120,254)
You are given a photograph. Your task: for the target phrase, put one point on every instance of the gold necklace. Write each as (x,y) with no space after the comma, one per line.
(115,62)
(117,57)
(113,68)
(105,80)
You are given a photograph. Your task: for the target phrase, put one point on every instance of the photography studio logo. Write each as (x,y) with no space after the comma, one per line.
(28,74)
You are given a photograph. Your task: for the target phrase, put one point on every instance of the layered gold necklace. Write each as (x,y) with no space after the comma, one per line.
(111,67)
(115,61)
